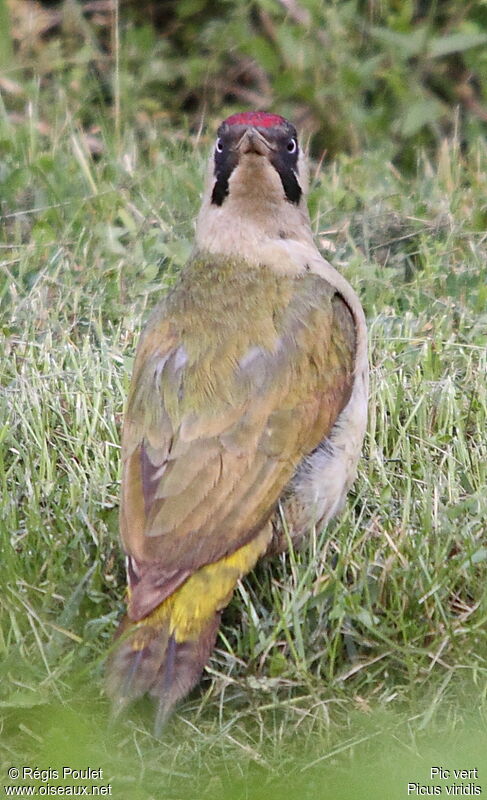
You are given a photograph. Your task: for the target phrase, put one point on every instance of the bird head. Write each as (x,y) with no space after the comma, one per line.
(256,184)
(257,153)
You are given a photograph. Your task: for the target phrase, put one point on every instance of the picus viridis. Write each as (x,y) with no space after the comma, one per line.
(248,401)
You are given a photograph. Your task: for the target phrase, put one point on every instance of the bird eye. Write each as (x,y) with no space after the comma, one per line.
(292,146)
(219,146)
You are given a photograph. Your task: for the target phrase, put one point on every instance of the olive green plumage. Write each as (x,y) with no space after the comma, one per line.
(249,389)
(239,374)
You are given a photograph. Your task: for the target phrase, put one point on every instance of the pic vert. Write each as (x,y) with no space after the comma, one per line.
(247,406)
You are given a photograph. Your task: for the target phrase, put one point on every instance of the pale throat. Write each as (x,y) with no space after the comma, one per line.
(259,233)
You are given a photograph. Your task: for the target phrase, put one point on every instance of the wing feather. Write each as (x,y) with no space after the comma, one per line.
(239,375)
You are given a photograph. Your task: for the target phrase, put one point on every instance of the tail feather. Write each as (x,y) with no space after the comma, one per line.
(148,658)
(183,665)
(139,652)
(164,653)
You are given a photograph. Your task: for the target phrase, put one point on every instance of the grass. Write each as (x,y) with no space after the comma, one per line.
(345,670)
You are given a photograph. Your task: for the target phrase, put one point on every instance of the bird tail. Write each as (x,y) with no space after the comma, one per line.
(148,658)
(165,652)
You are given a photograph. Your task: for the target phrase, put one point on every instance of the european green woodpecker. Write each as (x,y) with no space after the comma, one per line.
(248,404)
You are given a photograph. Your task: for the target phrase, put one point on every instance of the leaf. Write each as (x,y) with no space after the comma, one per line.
(475,558)
(418,115)
(23,700)
(408,44)
(455,43)
(366,618)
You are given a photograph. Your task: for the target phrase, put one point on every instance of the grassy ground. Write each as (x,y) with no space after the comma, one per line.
(346,670)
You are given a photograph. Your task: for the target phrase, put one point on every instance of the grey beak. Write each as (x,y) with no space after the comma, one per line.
(252,141)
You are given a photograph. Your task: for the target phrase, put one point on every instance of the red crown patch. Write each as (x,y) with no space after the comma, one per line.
(259,118)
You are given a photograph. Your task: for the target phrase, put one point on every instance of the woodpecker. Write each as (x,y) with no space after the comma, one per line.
(248,403)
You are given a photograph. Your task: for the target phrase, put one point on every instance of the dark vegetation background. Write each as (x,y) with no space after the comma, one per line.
(351,668)
(357,74)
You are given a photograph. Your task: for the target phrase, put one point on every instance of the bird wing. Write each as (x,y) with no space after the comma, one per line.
(239,374)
